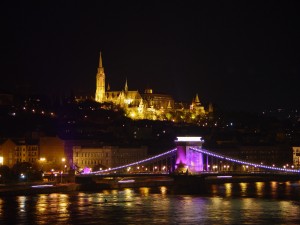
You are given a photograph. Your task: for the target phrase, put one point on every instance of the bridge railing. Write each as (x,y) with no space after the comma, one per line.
(242,162)
(201,150)
(147,160)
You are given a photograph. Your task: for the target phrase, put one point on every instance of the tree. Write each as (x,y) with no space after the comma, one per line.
(25,171)
(5,174)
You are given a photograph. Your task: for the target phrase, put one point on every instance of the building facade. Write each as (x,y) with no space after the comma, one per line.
(100,158)
(46,152)
(296,157)
(27,151)
(7,152)
(52,153)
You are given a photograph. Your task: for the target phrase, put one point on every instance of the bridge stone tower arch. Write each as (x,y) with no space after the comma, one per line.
(188,160)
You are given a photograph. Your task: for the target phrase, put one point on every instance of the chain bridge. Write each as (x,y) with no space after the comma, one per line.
(190,158)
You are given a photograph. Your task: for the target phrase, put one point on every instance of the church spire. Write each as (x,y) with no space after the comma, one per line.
(100,60)
(126,86)
(197,101)
(100,82)
(169,105)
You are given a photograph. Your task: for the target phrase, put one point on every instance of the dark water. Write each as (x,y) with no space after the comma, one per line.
(239,203)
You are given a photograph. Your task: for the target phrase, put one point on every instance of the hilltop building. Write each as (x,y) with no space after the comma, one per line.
(148,105)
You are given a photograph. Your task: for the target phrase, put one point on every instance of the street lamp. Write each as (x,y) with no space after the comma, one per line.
(61,172)
(42,161)
(63,161)
(63,168)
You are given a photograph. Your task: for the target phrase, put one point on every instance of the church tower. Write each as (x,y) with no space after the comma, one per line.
(100,82)
(126,86)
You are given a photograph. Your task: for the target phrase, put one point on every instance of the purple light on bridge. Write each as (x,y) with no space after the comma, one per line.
(181,155)
(243,162)
(195,160)
(186,158)
(86,170)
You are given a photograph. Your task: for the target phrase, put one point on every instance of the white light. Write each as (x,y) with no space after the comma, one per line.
(224,176)
(42,186)
(189,139)
(126,181)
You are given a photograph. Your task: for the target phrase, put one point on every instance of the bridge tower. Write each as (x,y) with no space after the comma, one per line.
(188,160)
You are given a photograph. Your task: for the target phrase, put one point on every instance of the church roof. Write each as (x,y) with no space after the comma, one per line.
(127,94)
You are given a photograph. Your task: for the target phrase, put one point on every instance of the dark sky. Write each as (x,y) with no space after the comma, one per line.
(239,55)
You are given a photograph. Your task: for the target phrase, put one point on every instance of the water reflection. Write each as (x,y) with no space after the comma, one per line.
(275,190)
(228,189)
(259,189)
(230,203)
(163,190)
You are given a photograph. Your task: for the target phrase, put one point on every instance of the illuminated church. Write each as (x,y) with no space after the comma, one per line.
(147,105)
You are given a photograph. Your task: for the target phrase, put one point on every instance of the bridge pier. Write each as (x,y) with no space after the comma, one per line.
(189,161)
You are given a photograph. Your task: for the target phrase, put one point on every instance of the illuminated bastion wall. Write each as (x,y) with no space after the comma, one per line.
(188,160)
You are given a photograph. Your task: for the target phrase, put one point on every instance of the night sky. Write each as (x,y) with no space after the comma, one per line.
(239,55)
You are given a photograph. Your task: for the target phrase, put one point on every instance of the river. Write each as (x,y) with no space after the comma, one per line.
(229,203)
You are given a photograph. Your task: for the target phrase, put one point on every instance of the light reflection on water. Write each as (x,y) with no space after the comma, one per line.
(229,203)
